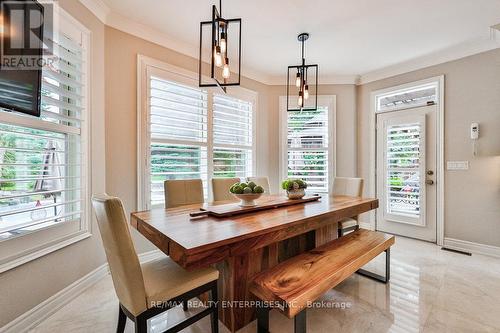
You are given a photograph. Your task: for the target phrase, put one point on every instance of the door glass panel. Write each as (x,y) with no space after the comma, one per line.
(403,169)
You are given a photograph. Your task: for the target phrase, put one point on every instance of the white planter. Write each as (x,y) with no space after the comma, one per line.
(296,194)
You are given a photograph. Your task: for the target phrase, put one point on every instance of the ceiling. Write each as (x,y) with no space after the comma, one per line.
(348,37)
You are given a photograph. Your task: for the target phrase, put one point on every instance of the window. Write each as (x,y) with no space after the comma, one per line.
(408,98)
(191,132)
(178,127)
(307,151)
(43,190)
(233,139)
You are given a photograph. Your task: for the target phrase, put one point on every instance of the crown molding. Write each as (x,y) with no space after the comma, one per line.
(147,33)
(98,8)
(466,49)
(489,41)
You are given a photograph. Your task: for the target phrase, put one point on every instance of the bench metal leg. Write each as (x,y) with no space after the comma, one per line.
(262,319)
(300,322)
(383,279)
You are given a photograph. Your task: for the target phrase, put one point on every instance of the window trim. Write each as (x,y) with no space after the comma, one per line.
(145,65)
(36,244)
(329,101)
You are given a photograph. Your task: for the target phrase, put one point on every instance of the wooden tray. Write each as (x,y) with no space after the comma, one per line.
(232,209)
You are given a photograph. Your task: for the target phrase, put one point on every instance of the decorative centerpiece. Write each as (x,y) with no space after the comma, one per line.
(295,188)
(247,193)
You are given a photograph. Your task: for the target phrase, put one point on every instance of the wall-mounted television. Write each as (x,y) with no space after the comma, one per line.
(20,82)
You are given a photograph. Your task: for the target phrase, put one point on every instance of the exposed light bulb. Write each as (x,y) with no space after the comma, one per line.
(306,92)
(223,45)
(300,101)
(225,71)
(217,56)
(297,80)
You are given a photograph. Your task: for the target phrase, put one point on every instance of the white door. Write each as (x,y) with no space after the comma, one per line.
(406,172)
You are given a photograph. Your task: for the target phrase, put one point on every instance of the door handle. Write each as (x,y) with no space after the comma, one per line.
(430,172)
(429,182)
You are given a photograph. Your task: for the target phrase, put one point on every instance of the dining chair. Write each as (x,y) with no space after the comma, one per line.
(146,290)
(262,181)
(352,187)
(180,192)
(220,188)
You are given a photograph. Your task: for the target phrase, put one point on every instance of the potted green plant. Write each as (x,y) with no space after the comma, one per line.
(295,188)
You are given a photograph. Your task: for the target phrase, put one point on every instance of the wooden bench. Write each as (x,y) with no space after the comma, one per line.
(299,281)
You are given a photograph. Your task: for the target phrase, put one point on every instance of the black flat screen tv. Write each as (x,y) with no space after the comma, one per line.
(20,78)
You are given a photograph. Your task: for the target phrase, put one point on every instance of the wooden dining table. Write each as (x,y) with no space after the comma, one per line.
(243,245)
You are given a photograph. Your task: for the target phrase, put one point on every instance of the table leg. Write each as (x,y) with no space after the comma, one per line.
(236,274)
(326,234)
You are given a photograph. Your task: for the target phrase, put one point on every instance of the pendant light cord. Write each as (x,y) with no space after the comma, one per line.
(303,59)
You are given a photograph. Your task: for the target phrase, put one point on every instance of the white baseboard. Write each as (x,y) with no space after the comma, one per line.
(366,225)
(461,245)
(42,311)
(150,255)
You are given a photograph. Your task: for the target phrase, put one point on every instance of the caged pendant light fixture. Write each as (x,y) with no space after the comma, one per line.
(223,73)
(302,83)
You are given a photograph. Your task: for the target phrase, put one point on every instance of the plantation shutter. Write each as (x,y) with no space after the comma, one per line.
(232,137)
(178,134)
(403,169)
(308,146)
(41,158)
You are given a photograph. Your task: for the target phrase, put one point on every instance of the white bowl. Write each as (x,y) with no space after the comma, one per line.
(247,200)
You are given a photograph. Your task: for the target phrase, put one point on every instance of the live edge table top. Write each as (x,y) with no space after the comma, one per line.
(201,241)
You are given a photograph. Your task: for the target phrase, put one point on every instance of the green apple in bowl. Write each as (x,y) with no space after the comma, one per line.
(247,193)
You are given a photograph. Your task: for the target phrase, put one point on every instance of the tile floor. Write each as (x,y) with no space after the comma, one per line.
(430,291)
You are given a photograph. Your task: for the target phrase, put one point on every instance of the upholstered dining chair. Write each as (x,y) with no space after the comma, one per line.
(147,290)
(220,188)
(262,181)
(352,187)
(180,192)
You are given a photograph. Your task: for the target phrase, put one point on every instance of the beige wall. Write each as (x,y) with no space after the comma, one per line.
(25,286)
(472,94)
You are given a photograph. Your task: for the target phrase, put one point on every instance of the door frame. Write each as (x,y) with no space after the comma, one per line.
(440,179)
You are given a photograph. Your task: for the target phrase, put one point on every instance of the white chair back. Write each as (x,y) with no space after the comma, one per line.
(122,258)
(181,192)
(262,181)
(220,188)
(348,186)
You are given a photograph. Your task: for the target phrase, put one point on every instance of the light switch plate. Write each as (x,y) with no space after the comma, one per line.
(457,165)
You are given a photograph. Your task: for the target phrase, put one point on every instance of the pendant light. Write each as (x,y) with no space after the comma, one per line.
(302,83)
(222,73)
